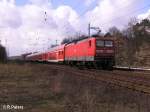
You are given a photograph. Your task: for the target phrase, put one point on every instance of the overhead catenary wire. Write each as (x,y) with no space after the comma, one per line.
(124,16)
(81,15)
(116,18)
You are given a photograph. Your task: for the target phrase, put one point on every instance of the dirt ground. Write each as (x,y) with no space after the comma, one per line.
(43,88)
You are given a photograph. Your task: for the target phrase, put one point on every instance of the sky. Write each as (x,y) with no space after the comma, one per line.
(34,25)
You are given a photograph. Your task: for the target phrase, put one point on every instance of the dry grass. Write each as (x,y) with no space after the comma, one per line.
(40,88)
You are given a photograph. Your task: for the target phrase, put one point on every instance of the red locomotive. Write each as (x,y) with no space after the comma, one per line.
(94,51)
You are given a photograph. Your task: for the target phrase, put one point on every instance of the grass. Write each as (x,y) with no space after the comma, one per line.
(40,88)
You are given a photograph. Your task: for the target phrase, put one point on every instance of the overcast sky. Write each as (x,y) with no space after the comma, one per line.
(25,27)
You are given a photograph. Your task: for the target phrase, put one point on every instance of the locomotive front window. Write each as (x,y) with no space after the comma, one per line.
(100,43)
(108,44)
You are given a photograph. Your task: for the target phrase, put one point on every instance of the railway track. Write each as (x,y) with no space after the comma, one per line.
(134,83)
(121,80)
(131,80)
(131,68)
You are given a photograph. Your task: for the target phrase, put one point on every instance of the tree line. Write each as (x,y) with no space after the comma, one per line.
(130,40)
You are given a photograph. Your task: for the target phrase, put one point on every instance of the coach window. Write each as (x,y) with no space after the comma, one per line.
(90,43)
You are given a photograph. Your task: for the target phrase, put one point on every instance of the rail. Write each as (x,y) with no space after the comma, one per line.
(131,68)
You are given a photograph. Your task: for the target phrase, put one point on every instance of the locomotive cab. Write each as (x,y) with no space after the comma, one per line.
(105,52)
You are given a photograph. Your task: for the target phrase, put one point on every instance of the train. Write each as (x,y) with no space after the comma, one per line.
(98,52)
